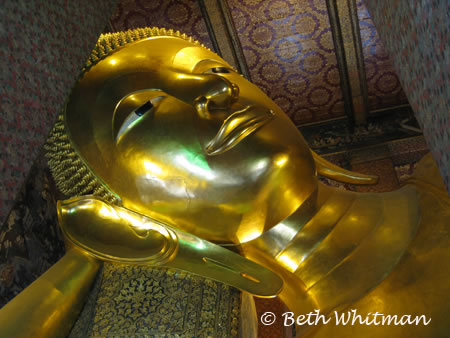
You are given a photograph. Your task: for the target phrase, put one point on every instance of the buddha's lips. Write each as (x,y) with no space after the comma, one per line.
(237,126)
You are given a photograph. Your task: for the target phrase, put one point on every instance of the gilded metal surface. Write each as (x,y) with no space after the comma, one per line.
(48,307)
(330,170)
(210,154)
(116,234)
(373,253)
(121,235)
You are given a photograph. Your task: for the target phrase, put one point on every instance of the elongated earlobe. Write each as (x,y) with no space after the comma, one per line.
(332,171)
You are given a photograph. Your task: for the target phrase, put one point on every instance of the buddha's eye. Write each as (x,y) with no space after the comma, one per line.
(144,108)
(218,70)
(135,115)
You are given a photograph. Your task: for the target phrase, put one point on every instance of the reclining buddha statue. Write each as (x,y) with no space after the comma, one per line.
(172,159)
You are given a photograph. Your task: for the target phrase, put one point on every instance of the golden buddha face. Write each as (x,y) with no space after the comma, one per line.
(178,135)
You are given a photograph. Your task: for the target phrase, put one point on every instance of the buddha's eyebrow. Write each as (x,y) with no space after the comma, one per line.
(188,58)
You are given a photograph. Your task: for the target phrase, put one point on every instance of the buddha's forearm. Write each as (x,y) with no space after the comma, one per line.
(50,305)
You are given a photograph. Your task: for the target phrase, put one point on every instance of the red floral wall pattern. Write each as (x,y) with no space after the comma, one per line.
(383,86)
(182,15)
(290,55)
(44,46)
(416,36)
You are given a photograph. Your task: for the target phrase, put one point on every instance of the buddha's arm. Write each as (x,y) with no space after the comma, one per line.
(51,304)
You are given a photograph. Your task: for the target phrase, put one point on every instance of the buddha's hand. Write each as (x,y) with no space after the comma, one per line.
(117,234)
(113,233)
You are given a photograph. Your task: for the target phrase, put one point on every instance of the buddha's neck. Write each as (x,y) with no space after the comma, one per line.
(351,238)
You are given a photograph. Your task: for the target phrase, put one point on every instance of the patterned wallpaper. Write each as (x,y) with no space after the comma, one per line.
(290,55)
(416,36)
(182,15)
(44,45)
(383,86)
(288,48)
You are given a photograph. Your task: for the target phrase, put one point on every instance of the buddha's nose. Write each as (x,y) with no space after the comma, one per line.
(211,91)
(222,93)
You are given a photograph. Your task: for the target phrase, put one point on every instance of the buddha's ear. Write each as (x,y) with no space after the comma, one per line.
(332,171)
